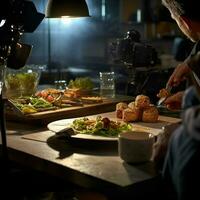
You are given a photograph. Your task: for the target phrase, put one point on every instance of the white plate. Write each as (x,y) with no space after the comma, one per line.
(64,123)
(154,128)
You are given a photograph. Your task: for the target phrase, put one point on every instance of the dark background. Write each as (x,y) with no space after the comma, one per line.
(80,47)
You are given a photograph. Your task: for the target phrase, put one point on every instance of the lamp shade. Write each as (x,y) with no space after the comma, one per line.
(67,8)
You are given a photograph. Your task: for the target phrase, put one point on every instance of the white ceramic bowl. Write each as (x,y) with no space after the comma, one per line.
(135,146)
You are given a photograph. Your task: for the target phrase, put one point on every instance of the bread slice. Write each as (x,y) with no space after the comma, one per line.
(92,99)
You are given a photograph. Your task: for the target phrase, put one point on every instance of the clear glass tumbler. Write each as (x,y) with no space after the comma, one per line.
(107,84)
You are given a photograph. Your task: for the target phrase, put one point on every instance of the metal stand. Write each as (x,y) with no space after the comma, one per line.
(49,44)
(3,129)
(3,124)
(131,88)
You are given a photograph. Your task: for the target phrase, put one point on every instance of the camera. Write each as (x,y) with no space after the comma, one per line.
(131,51)
(16,17)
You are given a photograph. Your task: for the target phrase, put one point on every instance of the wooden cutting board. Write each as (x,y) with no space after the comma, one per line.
(45,117)
(154,128)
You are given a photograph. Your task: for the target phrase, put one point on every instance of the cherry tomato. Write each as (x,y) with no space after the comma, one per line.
(44,94)
(50,98)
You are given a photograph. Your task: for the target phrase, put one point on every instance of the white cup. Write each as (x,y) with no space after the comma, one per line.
(135,146)
(107,84)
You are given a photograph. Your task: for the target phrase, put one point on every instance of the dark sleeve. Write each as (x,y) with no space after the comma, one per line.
(190,175)
(193,60)
(182,164)
(169,171)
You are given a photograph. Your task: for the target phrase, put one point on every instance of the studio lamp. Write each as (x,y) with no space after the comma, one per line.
(67,8)
(63,9)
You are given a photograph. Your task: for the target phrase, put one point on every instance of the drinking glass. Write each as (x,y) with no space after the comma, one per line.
(60,84)
(22,82)
(107,84)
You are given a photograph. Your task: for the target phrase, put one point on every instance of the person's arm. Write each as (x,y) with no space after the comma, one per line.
(160,146)
(180,74)
(181,164)
(193,60)
(174,102)
(183,70)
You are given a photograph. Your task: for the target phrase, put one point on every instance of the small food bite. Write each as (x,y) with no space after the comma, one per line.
(163,93)
(119,109)
(139,110)
(150,114)
(129,114)
(142,101)
(131,105)
(134,107)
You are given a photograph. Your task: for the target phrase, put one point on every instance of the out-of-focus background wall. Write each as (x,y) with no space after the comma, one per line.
(80,47)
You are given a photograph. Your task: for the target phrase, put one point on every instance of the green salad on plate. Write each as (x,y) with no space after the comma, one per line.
(101,126)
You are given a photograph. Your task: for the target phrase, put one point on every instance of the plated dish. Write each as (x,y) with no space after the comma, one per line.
(49,99)
(93,128)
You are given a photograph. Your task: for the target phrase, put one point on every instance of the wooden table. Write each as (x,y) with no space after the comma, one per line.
(91,164)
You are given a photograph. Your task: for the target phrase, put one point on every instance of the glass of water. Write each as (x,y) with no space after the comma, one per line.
(107,84)
(60,84)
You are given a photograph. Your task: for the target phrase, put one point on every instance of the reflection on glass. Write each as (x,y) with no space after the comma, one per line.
(23,82)
(107,84)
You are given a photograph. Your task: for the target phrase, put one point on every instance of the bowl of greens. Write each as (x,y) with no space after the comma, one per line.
(81,86)
(22,82)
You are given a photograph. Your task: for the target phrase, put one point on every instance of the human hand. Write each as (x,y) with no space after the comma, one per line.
(159,148)
(180,74)
(174,101)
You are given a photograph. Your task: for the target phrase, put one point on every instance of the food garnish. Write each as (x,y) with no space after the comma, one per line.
(101,126)
(29,105)
(81,83)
